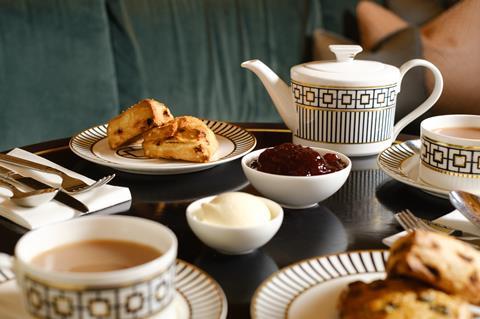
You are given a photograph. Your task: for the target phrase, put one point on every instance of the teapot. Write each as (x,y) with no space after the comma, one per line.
(346,105)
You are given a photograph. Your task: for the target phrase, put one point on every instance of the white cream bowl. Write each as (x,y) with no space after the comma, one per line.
(234,240)
(296,191)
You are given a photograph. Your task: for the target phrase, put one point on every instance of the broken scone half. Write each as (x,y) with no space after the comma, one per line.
(185,138)
(129,126)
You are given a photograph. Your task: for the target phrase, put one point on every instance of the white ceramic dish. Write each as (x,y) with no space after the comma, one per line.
(296,191)
(313,286)
(188,304)
(234,240)
(401,162)
(344,104)
(92,145)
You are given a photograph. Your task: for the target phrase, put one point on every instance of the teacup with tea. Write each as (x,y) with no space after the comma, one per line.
(450,152)
(98,267)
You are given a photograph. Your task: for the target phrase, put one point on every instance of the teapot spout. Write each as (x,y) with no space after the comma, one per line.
(278,90)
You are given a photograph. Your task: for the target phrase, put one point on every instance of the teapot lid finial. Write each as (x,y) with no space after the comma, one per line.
(345,53)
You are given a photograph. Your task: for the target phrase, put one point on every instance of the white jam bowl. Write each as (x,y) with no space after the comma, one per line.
(234,240)
(296,191)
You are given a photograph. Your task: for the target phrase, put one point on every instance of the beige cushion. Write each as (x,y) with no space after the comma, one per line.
(451,41)
(376,23)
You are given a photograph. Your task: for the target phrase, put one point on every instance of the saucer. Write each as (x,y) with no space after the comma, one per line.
(401,161)
(92,145)
(211,303)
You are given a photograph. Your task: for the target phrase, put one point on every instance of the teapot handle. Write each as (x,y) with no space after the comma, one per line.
(428,103)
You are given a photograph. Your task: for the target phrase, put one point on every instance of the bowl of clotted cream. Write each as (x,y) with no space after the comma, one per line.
(234,222)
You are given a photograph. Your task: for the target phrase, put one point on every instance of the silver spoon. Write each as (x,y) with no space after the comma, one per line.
(29,199)
(468,204)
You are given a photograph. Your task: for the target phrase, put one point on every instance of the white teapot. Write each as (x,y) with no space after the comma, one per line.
(347,105)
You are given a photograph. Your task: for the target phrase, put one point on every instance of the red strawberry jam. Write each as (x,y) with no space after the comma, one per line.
(296,160)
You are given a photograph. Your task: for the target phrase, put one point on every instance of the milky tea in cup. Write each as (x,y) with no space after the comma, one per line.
(450,152)
(98,267)
(96,256)
(460,132)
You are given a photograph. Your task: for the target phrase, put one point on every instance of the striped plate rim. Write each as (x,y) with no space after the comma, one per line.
(204,296)
(274,296)
(391,159)
(244,141)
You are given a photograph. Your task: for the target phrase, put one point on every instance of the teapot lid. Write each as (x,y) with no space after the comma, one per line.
(345,71)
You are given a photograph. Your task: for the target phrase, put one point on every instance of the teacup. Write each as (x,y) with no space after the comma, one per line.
(450,152)
(143,291)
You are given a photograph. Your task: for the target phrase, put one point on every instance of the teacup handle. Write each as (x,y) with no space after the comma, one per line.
(428,103)
(6,261)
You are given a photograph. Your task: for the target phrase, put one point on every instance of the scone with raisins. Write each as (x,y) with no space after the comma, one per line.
(185,138)
(129,126)
(441,261)
(399,299)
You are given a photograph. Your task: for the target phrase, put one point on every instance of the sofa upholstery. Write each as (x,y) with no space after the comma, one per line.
(56,69)
(194,67)
(66,65)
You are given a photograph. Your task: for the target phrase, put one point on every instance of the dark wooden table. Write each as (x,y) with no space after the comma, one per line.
(357,217)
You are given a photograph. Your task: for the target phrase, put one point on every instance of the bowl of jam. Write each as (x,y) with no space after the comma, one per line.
(296,176)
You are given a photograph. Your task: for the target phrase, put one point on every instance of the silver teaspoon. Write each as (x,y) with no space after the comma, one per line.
(468,204)
(31,198)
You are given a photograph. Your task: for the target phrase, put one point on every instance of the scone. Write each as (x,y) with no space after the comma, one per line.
(439,260)
(185,138)
(136,120)
(399,299)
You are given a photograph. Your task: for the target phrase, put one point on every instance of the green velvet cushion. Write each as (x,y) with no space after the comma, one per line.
(57,75)
(192,51)
(130,75)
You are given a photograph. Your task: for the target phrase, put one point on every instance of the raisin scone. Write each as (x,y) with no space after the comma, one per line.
(399,299)
(136,120)
(185,138)
(439,260)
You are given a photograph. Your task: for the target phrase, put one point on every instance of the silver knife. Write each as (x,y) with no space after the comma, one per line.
(61,196)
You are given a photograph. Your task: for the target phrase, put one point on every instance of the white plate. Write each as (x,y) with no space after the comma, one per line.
(313,286)
(400,162)
(92,145)
(198,295)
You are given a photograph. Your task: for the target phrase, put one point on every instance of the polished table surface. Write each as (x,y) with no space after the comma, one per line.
(357,217)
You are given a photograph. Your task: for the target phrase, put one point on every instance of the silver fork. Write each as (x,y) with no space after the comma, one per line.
(70,184)
(73,185)
(410,222)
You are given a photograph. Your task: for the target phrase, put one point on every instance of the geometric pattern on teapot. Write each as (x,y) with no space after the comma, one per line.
(341,115)
(449,159)
(135,301)
(344,127)
(344,98)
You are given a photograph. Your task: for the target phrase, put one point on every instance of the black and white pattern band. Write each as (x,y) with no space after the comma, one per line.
(344,115)
(450,159)
(344,98)
(137,301)
(331,126)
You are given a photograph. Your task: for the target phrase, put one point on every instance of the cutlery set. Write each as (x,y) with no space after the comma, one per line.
(29,199)
(410,222)
(43,192)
